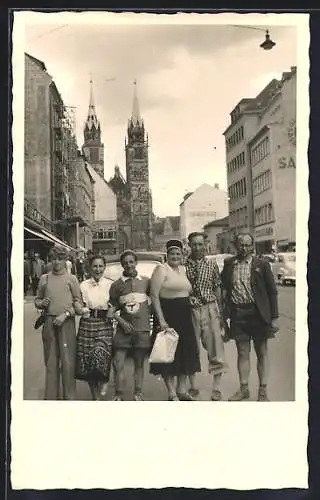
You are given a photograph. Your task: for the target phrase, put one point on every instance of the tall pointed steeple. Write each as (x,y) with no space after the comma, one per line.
(92,119)
(135,117)
(93,147)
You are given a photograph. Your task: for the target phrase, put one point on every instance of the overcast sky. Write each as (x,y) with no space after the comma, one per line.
(189,78)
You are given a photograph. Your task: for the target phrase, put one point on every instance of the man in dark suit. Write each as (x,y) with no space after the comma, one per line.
(251,305)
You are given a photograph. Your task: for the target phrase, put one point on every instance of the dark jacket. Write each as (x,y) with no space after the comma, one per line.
(263,286)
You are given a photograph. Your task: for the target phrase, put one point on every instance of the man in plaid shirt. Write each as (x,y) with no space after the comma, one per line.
(204,276)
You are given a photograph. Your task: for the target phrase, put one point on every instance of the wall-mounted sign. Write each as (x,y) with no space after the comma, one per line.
(286,162)
(292,131)
(265,231)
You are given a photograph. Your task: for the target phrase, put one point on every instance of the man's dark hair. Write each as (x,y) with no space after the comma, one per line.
(195,234)
(237,236)
(126,253)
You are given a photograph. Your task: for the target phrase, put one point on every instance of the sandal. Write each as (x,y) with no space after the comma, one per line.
(216,395)
(194,392)
(138,397)
(173,398)
(185,397)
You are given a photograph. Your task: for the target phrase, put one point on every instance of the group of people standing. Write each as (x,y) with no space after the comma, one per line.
(202,306)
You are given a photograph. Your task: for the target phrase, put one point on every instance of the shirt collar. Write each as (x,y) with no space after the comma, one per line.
(126,278)
(93,282)
(196,261)
(247,260)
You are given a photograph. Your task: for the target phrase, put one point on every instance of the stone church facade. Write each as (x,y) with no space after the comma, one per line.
(134,200)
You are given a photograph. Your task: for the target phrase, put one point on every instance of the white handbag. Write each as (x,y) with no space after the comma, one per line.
(165,346)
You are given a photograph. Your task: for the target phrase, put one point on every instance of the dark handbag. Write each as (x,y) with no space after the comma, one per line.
(41,319)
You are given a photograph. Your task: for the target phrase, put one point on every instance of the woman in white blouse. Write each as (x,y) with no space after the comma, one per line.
(94,340)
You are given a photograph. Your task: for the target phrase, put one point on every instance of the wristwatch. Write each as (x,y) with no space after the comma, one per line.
(67,313)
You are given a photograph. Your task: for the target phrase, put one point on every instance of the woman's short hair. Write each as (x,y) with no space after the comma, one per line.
(126,253)
(59,252)
(96,257)
(174,244)
(196,234)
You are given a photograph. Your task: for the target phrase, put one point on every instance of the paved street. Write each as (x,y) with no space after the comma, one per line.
(282,353)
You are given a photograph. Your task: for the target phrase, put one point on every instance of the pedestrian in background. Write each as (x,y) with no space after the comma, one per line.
(204,276)
(251,304)
(130,296)
(37,269)
(95,334)
(80,271)
(27,273)
(170,294)
(59,296)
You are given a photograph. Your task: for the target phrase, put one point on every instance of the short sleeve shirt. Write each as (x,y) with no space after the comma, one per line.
(130,296)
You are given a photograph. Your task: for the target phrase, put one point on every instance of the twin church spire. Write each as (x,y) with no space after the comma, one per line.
(92,120)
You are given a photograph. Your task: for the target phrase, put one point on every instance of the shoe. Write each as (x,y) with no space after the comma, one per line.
(263,395)
(216,395)
(194,392)
(104,390)
(173,398)
(185,397)
(118,398)
(138,397)
(241,395)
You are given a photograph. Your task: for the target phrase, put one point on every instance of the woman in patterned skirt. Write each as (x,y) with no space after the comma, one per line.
(94,341)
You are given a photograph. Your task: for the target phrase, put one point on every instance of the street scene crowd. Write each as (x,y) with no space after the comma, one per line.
(120,318)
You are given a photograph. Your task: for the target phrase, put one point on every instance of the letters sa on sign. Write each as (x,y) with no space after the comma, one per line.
(284,163)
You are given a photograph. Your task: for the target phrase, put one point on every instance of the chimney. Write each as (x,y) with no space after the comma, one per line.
(216,186)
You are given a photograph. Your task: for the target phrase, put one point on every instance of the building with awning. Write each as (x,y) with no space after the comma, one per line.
(58,189)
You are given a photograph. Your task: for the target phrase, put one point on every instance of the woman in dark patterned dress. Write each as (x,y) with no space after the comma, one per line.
(170,294)
(94,340)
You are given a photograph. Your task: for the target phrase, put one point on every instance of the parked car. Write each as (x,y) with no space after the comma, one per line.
(114,270)
(284,268)
(220,258)
(158,256)
(270,257)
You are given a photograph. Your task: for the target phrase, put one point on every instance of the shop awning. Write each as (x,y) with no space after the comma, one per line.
(37,234)
(45,235)
(56,240)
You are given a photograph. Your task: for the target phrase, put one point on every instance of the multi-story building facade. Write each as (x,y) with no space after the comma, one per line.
(105,225)
(254,140)
(51,154)
(273,164)
(205,204)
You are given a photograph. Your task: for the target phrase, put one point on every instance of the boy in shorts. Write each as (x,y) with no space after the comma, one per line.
(130,295)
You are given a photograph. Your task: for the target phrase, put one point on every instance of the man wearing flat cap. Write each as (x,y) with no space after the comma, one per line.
(59,296)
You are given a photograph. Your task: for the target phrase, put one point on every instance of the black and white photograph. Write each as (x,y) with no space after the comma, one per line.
(161,202)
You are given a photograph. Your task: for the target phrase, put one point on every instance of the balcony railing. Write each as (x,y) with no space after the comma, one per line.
(32,213)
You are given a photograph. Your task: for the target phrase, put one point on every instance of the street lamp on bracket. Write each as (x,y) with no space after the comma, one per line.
(267,44)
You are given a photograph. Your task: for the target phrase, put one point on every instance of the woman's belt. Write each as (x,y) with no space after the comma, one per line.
(98,313)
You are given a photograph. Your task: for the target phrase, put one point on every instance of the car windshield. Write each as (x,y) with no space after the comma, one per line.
(114,270)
